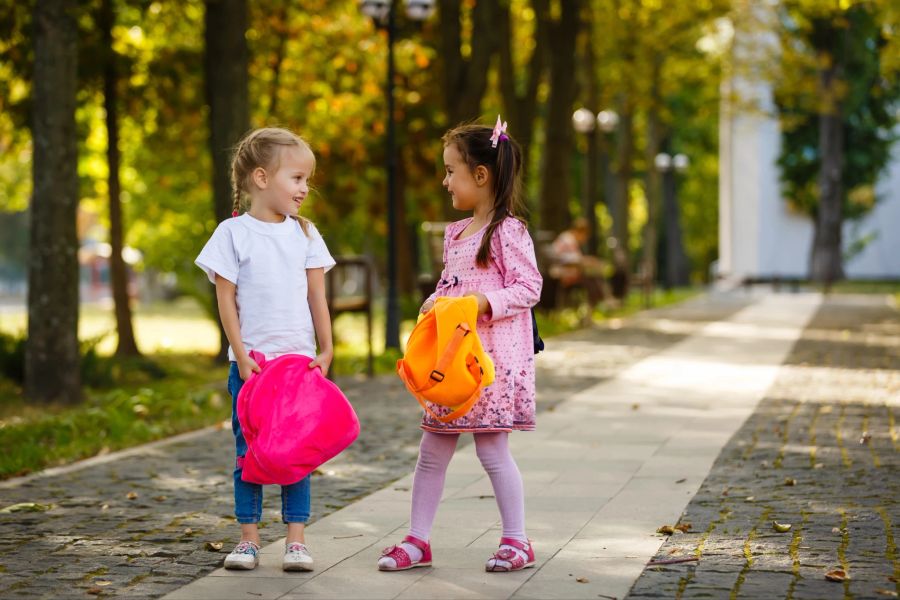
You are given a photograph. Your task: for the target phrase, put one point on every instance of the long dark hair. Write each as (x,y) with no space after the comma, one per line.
(473,141)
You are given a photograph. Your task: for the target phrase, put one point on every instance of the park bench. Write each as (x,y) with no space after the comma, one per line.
(349,290)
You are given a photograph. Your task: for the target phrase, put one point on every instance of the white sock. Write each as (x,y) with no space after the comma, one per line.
(506,564)
(415,555)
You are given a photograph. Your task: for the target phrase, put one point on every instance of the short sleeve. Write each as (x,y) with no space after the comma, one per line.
(219,255)
(317,255)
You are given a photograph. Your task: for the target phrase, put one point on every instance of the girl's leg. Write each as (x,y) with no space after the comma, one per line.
(493,452)
(247,496)
(295,503)
(435,452)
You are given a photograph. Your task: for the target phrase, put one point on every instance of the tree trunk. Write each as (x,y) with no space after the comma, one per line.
(127,345)
(555,180)
(52,358)
(520,106)
(623,168)
(826,263)
(465,78)
(653,191)
(228,97)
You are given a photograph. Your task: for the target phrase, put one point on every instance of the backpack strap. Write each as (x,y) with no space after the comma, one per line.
(460,411)
(437,376)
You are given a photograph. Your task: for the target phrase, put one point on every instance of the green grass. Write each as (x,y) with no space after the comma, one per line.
(184,392)
(176,386)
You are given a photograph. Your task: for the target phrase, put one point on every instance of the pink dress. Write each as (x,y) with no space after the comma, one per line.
(512,284)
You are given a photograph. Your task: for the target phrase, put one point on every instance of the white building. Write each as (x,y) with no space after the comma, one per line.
(759,235)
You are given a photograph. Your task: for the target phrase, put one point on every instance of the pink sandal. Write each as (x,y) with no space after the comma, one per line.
(402,560)
(513,558)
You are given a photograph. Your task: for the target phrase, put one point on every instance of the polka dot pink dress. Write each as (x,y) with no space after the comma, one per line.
(512,284)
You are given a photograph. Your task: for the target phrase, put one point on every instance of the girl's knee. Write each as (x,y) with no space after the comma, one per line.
(492,448)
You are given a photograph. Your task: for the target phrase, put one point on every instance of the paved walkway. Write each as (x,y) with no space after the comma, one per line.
(822,454)
(136,523)
(604,470)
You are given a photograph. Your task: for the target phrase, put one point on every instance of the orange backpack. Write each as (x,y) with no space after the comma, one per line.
(445,363)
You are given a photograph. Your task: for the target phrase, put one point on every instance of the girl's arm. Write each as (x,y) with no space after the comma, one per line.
(318,306)
(442,284)
(522,281)
(225,295)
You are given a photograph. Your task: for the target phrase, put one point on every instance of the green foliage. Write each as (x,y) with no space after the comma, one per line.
(142,410)
(857,38)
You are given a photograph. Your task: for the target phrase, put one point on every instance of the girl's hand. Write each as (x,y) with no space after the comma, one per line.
(429,304)
(247,366)
(323,361)
(484,307)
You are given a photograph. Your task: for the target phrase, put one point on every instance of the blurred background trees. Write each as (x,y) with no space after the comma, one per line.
(164,89)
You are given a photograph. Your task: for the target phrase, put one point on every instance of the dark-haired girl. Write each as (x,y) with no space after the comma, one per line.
(489,255)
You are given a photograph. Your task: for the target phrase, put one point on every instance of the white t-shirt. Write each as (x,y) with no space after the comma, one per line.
(268,262)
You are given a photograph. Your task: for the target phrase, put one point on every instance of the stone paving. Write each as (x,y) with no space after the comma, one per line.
(820,454)
(602,471)
(140,525)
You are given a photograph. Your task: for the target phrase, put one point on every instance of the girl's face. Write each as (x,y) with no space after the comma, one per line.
(284,191)
(467,189)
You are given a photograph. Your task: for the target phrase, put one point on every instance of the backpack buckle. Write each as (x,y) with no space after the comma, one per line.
(437,376)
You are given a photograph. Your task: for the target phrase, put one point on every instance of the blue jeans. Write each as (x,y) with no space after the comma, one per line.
(248,496)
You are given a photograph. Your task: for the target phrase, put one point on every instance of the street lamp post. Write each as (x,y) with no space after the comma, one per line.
(608,121)
(383,14)
(585,122)
(676,272)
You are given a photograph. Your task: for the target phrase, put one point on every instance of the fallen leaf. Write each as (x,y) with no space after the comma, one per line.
(682,480)
(666,530)
(819,466)
(750,498)
(582,579)
(104,507)
(781,527)
(26,507)
(159,498)
(883,592)
(789,481)
(131,495)
(684,527)
(635,406)
(213,546)
(188,531)
(96,591)
(837,575)
(102,582)
(892,579)
(866,436)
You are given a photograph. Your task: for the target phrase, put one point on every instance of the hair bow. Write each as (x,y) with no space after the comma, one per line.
(499,132)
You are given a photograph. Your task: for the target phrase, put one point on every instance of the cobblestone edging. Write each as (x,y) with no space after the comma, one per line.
(820,453)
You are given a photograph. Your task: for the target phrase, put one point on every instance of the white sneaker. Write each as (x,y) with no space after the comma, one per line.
(297,558)
(244,556)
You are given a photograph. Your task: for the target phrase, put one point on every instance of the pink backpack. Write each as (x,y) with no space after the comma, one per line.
(293,418)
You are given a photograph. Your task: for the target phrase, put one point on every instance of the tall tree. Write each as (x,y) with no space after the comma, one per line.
(520,91)
(52,360)
(127,345)
(227,94)
(466,73)
(556,189)
(836,101)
